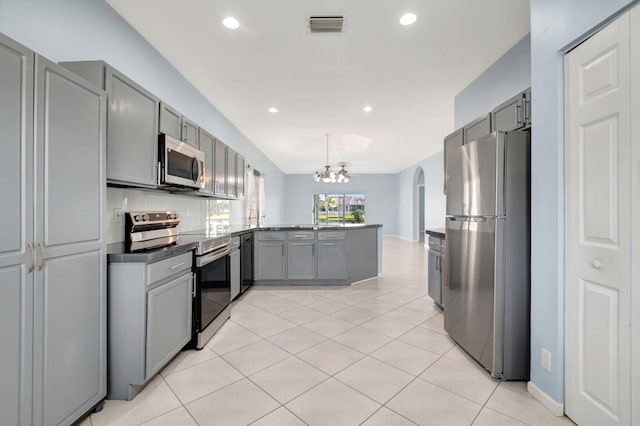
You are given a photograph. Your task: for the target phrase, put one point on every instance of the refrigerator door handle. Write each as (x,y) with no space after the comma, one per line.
(467,218)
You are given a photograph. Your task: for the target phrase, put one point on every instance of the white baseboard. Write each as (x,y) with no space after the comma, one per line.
(556,408)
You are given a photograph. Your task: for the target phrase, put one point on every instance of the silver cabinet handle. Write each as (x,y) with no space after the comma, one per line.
(597,263)
(313,250)
(177,266)
(33,256)
(299,236)
(41,245)
(283,250)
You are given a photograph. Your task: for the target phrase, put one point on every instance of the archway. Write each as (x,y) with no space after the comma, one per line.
(418,205)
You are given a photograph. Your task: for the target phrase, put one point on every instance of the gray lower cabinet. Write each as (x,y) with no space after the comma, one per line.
(132,126)
(301,260)
(52,267)
(435,283)
(331,256)
(149,319)
(270,260)
(168,322)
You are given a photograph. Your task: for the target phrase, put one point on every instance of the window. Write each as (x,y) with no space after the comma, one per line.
(338,209)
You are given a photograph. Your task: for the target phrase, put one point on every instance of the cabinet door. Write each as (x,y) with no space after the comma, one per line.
(477,128)
(234,273)
(132,153)
(16,278)
(240,176)
(435,277)
(190,132)
(270,260)
(220,170)
(452,142)
(70,285)
(331,261)
(207,144)
(301,264)
(170,121)
(510,115)
(168,322)
(231,173)
(527,107)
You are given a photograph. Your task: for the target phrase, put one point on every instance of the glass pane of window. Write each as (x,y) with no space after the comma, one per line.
(339,209)
(354,208)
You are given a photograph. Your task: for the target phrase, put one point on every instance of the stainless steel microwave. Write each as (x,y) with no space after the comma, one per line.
(180,163)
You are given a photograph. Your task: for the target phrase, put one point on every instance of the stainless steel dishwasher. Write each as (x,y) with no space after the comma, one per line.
(234,266)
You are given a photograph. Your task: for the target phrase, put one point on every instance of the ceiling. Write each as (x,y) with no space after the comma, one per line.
(321,82)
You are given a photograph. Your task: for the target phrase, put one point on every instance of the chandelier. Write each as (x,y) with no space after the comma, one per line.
(328,175)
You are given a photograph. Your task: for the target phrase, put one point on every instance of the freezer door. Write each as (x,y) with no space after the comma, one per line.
(475,185)
(471,264)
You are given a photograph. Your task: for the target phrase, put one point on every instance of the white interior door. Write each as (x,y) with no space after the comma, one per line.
(597,224)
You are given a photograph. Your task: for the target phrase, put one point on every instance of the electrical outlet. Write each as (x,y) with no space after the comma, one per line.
(117,215)
(545,359)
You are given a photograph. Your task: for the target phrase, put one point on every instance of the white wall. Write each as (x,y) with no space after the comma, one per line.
(555,24)
(506,77)
(381,202)
(73,30)
(434,198)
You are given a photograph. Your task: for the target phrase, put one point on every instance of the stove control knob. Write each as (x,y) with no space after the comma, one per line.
(145,217)
(138,218)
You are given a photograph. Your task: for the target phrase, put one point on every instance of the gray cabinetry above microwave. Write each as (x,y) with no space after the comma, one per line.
(240,176)
(132,124)
(231,173)
(177,126)
(513,114)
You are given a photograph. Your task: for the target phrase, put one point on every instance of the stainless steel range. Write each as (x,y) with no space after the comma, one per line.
(148,230)
(213,283)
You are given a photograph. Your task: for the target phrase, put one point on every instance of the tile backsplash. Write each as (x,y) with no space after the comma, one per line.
(194,212)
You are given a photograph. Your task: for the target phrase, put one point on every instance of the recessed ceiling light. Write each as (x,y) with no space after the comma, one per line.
(408,19)
(368,108)
(273,110)
(230,22)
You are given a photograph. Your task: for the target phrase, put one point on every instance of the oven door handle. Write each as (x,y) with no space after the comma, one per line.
(212,257)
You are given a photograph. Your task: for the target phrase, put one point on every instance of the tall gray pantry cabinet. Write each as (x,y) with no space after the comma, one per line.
(52,250)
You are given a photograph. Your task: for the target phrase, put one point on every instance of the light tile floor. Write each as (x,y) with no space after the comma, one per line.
(374,353)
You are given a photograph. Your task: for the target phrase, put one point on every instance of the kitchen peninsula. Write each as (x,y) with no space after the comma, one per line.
(317,254)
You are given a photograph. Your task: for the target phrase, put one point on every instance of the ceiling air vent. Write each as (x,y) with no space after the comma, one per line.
(326,24)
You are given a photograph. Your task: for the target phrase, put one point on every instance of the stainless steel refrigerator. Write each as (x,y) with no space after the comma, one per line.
(487,290)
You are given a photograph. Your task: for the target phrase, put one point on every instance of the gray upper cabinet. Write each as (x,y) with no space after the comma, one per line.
(452,142)
(16,234)
(220,169)
(240,176)
(170,121)
(190,132)
(510,115)
(477,128)
(70,283)
(177,126)
(231,173)
(52,270)
(132,126)
(207,144)
(527,107)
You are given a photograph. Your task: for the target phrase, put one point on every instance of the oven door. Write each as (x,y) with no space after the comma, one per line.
(181,163)
(213,289)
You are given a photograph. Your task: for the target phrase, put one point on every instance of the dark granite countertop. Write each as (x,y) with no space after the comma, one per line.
(187,241)
(436,232)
